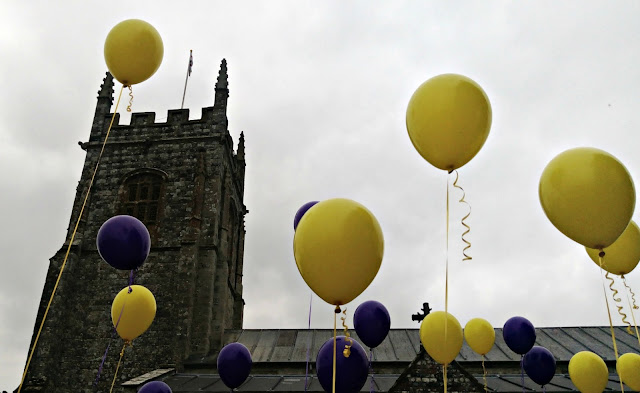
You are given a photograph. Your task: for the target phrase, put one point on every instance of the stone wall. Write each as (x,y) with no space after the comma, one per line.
(190,260)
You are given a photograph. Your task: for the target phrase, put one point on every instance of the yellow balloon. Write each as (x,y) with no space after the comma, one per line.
(628,367)
(432,332)
(448,120)
(338,248)
(133,51)
(588,195)
(623,255)
(588,372)
(133,312)
(479,335)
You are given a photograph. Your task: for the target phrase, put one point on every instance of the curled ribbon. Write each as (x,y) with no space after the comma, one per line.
(130,99)
(633,295)
(632,307)
(617,299)
(347,348)
(464,224)
(484,375)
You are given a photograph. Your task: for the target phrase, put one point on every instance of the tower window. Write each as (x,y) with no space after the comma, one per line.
(141,197)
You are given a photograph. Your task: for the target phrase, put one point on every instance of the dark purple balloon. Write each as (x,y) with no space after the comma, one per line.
(303,209)
(234,364)
(155,387)
(351,372)
(519,334)
(123,242)
(540,365)
(372,322)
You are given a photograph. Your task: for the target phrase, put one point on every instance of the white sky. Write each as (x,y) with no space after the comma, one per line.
(320,90)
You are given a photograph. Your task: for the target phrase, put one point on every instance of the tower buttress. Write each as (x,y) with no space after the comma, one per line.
(105,96)
(222,92)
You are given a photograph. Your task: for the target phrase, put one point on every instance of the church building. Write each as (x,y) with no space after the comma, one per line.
(184,179)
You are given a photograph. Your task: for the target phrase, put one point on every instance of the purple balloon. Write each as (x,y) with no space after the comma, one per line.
(372,322)
(155,387)
(303,209)
(234,364)
(351,372)
(519,334)
(540,365)
(123,242)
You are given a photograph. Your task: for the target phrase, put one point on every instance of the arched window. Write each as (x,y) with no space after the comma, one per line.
(141,197)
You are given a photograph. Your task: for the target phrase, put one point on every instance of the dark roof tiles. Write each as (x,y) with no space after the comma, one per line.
(292,345)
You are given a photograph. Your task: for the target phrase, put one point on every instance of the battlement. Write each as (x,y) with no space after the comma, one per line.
(174,117)
(176,124)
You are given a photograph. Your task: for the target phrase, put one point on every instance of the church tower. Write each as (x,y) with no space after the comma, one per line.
(184,181)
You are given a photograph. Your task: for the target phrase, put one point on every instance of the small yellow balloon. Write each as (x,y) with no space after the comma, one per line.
(479,335)
(338,247)
(628,367)
(588,372)
(133,312)
(588,195)
(133,51)
(623,255)
(448,120)
(432,335)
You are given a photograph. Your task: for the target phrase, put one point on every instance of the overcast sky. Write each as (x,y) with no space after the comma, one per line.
(320,90)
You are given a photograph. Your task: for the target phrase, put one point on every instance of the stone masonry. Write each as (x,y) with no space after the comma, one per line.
(197,239)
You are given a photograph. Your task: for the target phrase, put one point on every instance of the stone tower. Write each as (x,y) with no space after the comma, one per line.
(183,179)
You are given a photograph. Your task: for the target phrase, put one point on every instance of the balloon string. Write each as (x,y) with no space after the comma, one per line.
(446,275)
(446,290)
(371,369)
(634,307)
(617,299)
(337,311)
(118,366)
(306,376)
(131,279)
(104,357)
(113,335)
(66,256)
(633,295)
(484,375)
(347,347)
(522,372)
(464,224)
(444,375)
(604,291)
(130,98)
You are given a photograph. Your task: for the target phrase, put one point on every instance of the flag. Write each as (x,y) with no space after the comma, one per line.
(190,62)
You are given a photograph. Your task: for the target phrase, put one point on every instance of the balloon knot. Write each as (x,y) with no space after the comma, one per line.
(337,310)
(601,254)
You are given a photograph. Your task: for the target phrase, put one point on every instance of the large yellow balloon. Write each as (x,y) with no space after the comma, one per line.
(432,336)
(623,255)
(133,51)
(448,120)
(338,248)
(479,335)
(588,195)
(588,372)
(133,312)
(628,367)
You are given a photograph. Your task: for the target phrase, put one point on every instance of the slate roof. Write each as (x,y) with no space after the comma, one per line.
(402,345)
(195,383)
(286,349)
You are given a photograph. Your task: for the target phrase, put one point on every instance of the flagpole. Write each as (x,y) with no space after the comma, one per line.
(186,79)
